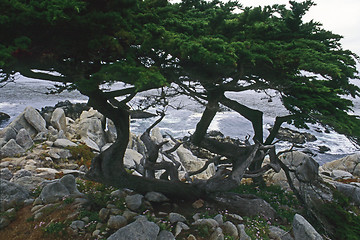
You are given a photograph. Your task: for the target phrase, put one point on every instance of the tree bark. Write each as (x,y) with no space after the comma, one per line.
(108,167)
(152,149)
(254,116)
(110,162)
(274,131)
(208,115)
(256,119)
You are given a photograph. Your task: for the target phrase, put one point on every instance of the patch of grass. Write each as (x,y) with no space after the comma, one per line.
(165,225)
(59,175)
(207,214)
(92,215)
(9,215)
(43,155)
(149,215)
(97,200)
(68,200)
(343,218)
(98,194)
(55,228)
(119,203)
(82,154)
(91,226)
(257,228)
(32,148)
(203,231)
(51,208)
(229,237)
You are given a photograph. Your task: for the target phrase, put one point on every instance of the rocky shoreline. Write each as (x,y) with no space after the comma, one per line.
(44,157)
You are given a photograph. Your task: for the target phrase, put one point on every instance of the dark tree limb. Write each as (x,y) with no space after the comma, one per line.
(121,92)
(175,147)
(291,184)
(110,162)
(206,165)
(258,173)
(168,153)
(191,92)
(208,115)
(43,76)
(151,147)
(170,169)
(254,116)
(108,167)
(275,129)
(125,91)
(239,170)
(274,164)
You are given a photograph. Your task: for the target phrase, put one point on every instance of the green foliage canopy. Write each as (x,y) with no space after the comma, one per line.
(224,47)
(148,44)
(86,42)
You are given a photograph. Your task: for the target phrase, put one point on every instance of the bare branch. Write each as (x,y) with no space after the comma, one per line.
(239,170)
(257,173)
(5,79)
(162,115)
(151,147)
(275,129)
(206,165)
(43,76)
(286,151)
(125,91)
(191,93)
(128,98)
(170,170)
(291,184)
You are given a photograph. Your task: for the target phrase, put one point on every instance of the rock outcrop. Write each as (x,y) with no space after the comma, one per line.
(4,117)
(304,169)
(50,166)
(58,189)
(303,230)
(12,195)
(140,229)
(11,148)
(58,119)
(349,164)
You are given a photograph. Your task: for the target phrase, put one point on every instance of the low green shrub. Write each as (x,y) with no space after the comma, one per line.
(36,192)
(98,194)
(342,218)
(203,231)
(257,228)
(55,227)
(92,215)
(69,200)
(82,154)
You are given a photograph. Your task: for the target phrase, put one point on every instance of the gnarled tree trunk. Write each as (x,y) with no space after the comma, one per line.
(108,167)
(208,115)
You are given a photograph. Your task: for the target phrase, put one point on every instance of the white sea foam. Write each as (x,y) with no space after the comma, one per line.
(4,105)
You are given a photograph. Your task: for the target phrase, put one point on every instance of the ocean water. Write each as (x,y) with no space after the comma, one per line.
(15,96)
